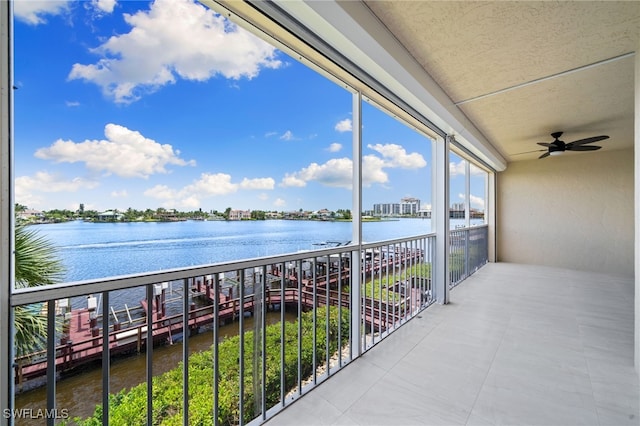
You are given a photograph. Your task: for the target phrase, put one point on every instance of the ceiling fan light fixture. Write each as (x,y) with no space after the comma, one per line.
(557,147)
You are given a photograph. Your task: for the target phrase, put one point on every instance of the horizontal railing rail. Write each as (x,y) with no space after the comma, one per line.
(23,296)
(382,284)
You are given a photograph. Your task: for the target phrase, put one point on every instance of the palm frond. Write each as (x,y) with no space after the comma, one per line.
(31,330)
(36,261)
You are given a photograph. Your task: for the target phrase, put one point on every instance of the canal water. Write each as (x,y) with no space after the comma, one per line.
(98,250)
(79,394)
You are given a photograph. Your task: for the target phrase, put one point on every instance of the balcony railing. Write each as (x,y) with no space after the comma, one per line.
(468,251)
(326,308)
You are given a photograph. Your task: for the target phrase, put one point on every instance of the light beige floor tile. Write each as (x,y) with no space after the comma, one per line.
(518,344)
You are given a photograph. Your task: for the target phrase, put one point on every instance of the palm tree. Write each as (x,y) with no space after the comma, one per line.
(35,264)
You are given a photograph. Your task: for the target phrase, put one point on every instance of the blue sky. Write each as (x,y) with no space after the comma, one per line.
(165,104)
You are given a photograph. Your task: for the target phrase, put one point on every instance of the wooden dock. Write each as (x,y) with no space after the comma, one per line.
(83,340)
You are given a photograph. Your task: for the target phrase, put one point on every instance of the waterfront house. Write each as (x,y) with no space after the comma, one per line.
(548,332)
(323,214)
(240,215)
(31,215)
(109,216)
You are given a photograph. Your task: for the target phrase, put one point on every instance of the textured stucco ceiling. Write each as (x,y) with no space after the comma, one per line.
(521,70)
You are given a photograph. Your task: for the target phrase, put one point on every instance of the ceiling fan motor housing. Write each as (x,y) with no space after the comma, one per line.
(557,146)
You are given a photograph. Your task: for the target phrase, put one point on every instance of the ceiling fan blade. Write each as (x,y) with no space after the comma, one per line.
(546,154)
(587,140)
(529,152)
(583,148)
(545,144)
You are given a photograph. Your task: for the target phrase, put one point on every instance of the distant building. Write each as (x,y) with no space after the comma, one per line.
(424,213)
(409,206)
(109,216)
(170,215)
(457,211)
(31,215)
(240,214)
(324,213)
(386,209)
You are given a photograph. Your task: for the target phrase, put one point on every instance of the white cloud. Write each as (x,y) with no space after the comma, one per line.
(46,182)
(174,39)
(28,187)
(190,203)
(208,185)
(372,170)
(33,12)
(279,202)
(119,194)
(105,6)
(457,169)
(287,136)
(292,180)
(334,147)
(125,153)
(476,202)
(263,197)
(161,192)
(476,171)
(396,156)
(344,125)
(337,172)
(72,103)
(258,183)
(269,134)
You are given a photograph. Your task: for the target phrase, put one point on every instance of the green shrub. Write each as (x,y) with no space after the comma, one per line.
(129,407)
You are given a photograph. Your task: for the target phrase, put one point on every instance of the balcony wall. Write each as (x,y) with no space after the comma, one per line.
(573,211)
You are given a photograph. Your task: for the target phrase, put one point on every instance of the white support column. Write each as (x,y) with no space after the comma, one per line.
(440,217)
(490,210)
(356,232)
(6,214)
(467,194)
(637,210)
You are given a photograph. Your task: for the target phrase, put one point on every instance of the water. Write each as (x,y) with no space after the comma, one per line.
(97,250)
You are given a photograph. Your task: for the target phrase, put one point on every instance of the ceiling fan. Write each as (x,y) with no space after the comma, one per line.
(558,147)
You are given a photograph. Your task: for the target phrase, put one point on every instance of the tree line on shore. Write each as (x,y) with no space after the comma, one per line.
(161,214)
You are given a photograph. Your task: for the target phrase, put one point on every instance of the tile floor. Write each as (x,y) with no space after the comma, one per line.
(517,345)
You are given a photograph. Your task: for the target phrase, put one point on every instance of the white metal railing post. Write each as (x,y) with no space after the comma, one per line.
(6,215)
(356,235)
(186,313)
(106,359)
(440,217)
(149,354)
